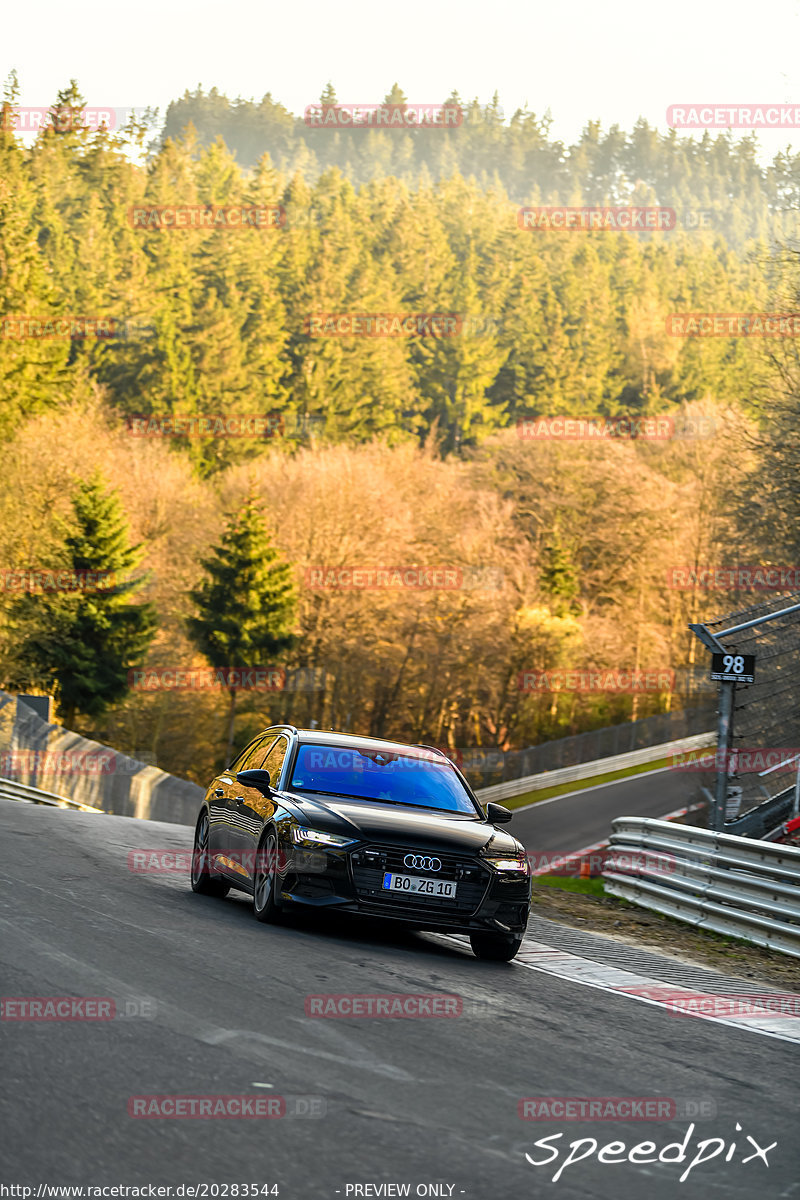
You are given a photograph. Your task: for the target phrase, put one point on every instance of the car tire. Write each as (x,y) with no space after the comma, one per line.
(495,947)
(265,907)
(202,880)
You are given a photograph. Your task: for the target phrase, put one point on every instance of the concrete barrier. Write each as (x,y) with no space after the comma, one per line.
(56,760)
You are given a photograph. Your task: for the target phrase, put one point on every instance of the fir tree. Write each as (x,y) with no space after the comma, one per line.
(246,605)
(83,642)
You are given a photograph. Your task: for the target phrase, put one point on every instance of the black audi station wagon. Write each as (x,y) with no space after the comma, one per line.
(314,819)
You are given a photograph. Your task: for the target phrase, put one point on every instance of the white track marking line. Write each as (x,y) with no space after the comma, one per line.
(537,956)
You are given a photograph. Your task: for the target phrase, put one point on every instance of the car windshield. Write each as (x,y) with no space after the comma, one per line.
(391,778)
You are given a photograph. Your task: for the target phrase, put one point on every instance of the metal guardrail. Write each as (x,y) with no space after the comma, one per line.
(12,789)
(588,770)
(732,885)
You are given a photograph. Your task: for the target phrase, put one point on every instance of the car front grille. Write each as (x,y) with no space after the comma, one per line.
(370,863)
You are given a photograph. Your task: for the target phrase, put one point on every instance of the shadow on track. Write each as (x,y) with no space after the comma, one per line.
(347,929)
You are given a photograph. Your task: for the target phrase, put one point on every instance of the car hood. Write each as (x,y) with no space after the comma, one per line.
(412,827)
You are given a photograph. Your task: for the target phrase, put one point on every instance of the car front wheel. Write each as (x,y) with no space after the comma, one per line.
(265,881)
(495,947)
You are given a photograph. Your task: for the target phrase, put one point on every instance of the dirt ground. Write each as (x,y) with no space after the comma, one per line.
(652,931)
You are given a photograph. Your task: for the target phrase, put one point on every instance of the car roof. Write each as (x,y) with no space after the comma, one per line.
(327,737)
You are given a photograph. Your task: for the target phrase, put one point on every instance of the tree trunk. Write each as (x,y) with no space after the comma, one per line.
(231,720)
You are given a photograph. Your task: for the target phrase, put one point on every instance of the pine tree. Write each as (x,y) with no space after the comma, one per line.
(558,578)
(32,371)
(83,643)
(246,605)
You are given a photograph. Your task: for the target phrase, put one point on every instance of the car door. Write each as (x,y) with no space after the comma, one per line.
(257,808)
(226,839)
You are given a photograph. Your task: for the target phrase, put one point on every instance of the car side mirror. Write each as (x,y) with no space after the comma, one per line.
(496,814)
(255,778)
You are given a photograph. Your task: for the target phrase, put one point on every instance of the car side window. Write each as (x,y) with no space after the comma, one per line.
(256,754)
(274,760)
(238,762)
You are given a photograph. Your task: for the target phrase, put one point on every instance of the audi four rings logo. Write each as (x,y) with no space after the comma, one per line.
(422,862)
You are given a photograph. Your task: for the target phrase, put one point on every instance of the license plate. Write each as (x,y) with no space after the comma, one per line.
(418,885)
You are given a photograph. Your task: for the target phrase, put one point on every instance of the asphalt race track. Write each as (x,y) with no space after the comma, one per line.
(580,819)
(217,1006)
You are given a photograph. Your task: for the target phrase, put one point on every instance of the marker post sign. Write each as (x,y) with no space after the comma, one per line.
(733,668)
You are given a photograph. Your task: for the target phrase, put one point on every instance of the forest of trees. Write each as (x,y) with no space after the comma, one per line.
(392,450)
(513,154)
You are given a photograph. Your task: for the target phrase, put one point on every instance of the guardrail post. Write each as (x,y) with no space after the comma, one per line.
(724,741)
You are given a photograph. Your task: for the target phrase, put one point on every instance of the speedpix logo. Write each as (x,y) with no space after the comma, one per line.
(615,1153)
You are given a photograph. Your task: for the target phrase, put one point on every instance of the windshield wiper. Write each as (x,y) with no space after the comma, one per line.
(318,792)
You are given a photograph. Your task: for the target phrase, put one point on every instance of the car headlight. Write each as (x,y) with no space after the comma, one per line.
(318,837)
(509,864)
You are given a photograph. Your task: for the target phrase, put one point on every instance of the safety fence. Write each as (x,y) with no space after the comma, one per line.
(486,767)
(531,784)
(753,781)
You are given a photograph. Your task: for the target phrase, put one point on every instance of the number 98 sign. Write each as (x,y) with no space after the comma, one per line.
(733,668)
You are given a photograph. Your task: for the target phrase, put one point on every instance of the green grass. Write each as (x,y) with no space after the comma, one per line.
(589,887)
(581,785)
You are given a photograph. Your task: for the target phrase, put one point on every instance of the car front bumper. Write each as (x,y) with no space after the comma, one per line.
(350,880)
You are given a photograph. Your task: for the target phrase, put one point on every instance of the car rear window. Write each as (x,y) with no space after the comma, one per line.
(417,782)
